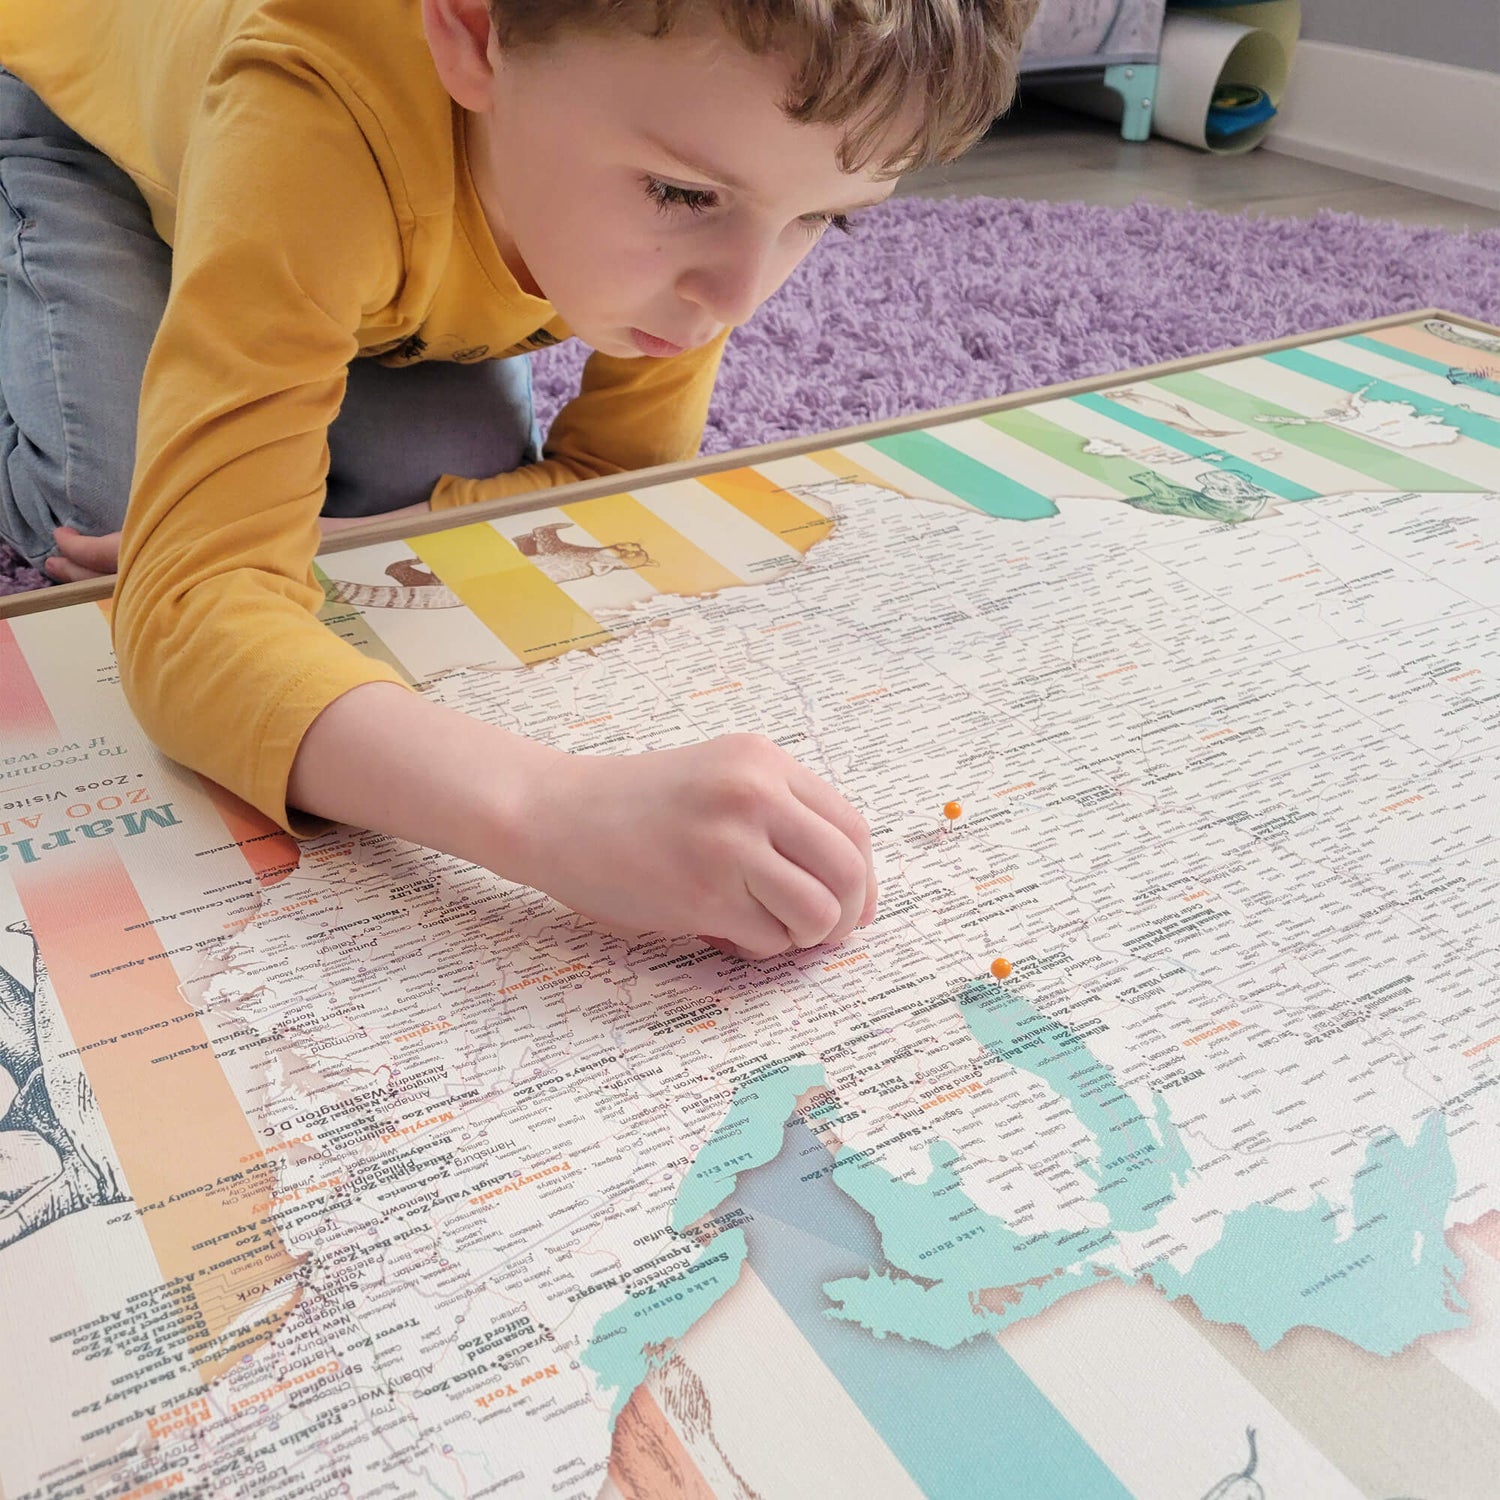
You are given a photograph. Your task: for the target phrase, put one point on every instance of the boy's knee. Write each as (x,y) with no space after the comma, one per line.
(83,279)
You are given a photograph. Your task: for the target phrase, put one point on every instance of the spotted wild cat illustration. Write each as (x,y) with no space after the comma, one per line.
(565,562)
(416,587)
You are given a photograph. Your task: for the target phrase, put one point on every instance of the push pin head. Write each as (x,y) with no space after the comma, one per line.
(953,811)
(1001,968)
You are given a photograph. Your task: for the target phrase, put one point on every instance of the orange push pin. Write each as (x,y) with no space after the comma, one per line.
(1001,968)
(953,811)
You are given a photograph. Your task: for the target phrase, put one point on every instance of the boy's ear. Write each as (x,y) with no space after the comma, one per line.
(458,36)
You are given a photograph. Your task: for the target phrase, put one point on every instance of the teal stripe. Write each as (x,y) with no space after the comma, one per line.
(1419,361)
(1470,423)
(1287,489)
(982,487)
(1389,468)
(962,1422)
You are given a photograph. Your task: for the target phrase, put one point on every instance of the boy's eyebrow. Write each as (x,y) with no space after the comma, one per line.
(696,168)
(705,170)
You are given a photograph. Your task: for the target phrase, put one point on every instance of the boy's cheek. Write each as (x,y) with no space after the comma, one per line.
(602,278)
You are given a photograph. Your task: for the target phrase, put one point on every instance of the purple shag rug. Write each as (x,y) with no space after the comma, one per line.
(932,302)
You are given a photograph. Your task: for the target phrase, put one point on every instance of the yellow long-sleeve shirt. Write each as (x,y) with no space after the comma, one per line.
(308,169)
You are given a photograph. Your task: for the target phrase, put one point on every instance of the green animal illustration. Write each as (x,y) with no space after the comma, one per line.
(1222,496)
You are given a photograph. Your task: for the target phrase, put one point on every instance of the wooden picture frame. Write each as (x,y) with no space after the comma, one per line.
(397,528)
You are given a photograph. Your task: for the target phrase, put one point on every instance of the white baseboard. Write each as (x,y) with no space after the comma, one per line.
(1422,124)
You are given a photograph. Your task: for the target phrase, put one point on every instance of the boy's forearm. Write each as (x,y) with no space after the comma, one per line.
(629,414)
(731,839)
(385,758)
(453,492)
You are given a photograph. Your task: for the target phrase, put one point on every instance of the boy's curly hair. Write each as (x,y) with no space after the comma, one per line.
(916,81)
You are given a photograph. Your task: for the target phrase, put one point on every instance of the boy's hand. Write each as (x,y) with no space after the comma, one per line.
(732,839)
(83,558)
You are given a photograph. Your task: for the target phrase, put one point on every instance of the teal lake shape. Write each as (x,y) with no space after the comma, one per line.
(749,1135)
(1141,1161)
(945,1251)
(1392,1280)
(655,1315)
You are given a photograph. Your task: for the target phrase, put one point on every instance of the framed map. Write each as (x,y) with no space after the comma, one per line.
(347,1168)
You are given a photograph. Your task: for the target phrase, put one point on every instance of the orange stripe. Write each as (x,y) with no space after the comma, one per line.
(836,461)
(174,1121)
(25,710)
(269,850)
(796,522)
(647,1458)
(1416,340)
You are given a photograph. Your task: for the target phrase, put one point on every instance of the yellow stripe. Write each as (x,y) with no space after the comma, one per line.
(513,599)
(676,566)
(837,461)
(798,524)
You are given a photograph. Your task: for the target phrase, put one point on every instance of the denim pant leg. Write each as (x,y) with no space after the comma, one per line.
(402,428)
(83,282)
(85,279)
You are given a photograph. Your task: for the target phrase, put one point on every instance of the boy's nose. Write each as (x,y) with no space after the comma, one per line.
(728,291)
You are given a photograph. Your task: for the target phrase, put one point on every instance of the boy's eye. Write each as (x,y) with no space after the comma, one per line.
(668,195)
(819,222)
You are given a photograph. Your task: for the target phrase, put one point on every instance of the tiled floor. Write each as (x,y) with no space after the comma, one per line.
(1041,151)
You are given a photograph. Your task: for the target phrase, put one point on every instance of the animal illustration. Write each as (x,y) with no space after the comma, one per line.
(415,587)
(645,1466)
(1222,495)
(1240,1486)
(1168,413)
(1470,338)
(566,562)
(1483,376)
(55,1153)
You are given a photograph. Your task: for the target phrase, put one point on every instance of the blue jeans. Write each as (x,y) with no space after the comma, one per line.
(83,281)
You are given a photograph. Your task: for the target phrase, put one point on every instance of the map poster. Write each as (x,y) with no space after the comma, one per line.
(343,1167)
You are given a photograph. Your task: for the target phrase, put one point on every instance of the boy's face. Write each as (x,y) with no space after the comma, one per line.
(651,189)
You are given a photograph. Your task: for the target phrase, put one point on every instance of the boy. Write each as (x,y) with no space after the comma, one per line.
(386,205)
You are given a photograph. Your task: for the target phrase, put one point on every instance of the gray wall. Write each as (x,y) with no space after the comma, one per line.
(1465,33)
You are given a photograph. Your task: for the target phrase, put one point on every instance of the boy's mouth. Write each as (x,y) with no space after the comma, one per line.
(648,343)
